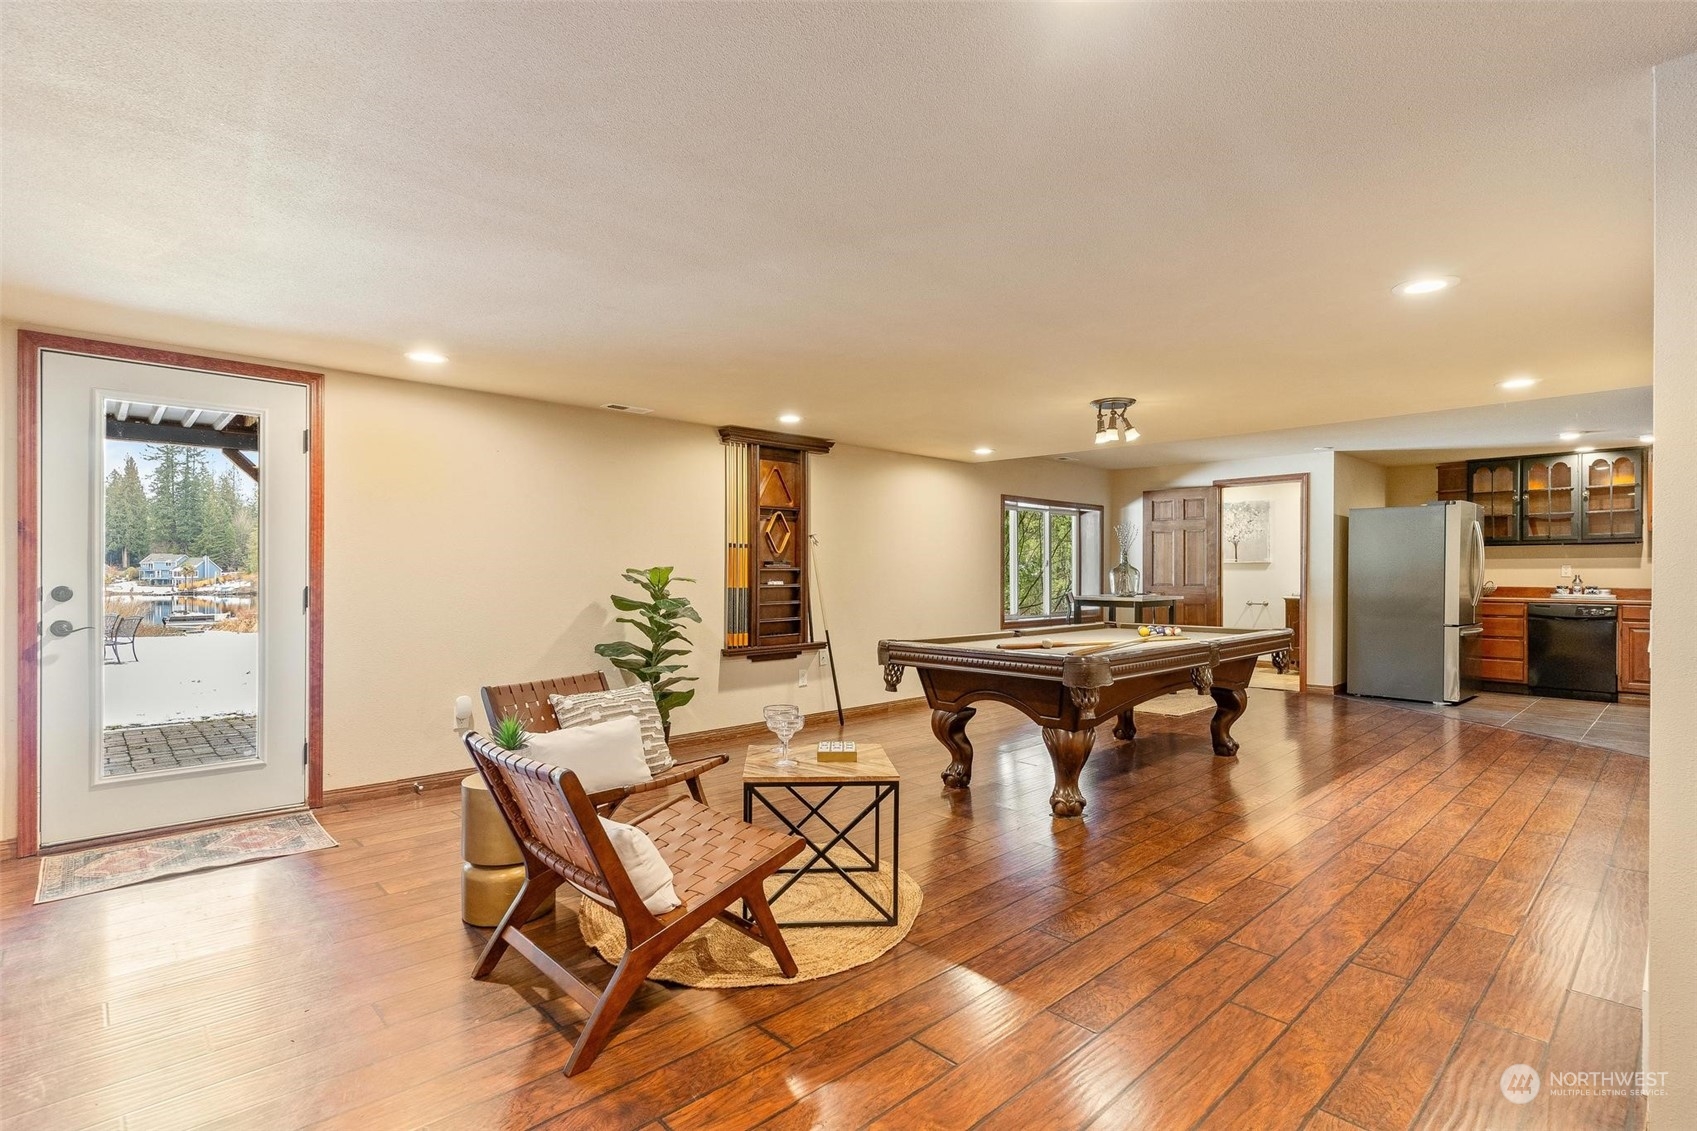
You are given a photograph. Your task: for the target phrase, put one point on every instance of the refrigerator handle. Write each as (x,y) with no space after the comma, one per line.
(1478,566)
(1471,630)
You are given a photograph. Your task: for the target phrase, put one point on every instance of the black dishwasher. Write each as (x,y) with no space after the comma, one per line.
(1570,651)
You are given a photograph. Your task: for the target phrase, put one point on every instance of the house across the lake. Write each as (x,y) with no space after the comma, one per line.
(172,569)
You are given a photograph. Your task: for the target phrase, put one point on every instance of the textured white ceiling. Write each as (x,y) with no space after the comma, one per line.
(924,227)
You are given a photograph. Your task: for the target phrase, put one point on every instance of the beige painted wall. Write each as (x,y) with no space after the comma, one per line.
(1616,566)
(1672,1022)
(1252,593)
(1411,486)
(1357,483)
(472,538)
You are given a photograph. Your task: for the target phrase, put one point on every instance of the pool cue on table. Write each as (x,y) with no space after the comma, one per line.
(1034,645)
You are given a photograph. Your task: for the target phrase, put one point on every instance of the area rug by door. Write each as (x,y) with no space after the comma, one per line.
(720,957)
(1178,704)
(119,865)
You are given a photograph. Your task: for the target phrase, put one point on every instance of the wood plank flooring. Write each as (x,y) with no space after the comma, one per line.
(1360,922)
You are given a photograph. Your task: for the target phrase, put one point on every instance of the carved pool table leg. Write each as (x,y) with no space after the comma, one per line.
(1068,750)
(1229,704)
(1125,728)
(950,729)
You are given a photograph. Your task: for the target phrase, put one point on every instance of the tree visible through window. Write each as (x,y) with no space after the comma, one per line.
(1043,547)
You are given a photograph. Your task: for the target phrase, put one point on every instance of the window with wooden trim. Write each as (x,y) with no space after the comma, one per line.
(1050,551)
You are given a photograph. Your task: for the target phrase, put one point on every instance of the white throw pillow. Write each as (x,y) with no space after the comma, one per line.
(644,865)
(603,755)
(598,706)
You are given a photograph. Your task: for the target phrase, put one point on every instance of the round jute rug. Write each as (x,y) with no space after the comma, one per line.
(720,957)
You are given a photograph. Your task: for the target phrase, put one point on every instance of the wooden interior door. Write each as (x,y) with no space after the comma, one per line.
(1181,549)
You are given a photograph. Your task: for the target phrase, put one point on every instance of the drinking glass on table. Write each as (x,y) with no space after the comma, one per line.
(784,720)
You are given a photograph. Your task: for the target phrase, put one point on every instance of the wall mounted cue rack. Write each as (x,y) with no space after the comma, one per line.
(768,600)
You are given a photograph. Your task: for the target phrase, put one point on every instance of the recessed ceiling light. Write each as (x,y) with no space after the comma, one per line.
(789,418)
(1569,435)
(1646,438)
(428,357)
(983,451)
(1426,285)
(1582,451)
(1518,383)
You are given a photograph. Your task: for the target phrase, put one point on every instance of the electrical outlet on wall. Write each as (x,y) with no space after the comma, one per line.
(801,678)
(1567,571)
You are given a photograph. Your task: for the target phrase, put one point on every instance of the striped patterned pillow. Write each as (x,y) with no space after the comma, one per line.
(599,706)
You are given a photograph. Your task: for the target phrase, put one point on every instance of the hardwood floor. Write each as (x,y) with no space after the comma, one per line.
(1359,923)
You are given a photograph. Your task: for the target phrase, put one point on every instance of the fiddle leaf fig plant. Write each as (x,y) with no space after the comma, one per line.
(659,618)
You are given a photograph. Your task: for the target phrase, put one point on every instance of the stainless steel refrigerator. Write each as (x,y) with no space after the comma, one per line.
(1416,575)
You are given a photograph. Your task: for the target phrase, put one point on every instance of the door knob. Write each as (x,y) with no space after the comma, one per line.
(62,628)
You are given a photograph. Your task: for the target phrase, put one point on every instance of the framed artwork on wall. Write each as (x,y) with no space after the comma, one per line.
(1245,529)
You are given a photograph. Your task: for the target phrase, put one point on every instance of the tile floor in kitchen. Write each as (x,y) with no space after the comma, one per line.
(1616,726)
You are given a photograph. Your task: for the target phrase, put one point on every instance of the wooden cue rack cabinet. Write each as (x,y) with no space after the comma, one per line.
(768,594)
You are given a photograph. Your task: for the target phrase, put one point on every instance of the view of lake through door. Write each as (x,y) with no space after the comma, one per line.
(173,533)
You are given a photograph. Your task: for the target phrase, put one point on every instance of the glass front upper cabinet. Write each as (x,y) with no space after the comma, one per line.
(1613,497)
(1549,510)
(1495,486)
(1564,498)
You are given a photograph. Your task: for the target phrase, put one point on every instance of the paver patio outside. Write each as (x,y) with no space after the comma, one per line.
(173,746)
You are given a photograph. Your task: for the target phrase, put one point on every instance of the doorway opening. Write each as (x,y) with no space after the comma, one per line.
(1263,561)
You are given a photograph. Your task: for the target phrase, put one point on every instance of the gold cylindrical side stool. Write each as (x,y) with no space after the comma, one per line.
(493,870)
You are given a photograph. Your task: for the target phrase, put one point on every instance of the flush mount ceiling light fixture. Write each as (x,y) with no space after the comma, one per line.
(1426,285)
(428,357)
(1111,424)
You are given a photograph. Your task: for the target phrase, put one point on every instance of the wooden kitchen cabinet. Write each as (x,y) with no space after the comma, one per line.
(1559,499)
(1634,649)
(1452,482)
(1495,486)
(1550,499)
(1613,496)
(1500,656)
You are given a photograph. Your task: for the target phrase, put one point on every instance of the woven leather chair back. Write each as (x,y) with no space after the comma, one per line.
(529,701)
(548,813)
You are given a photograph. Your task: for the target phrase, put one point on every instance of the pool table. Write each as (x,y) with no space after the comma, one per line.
(1070,678)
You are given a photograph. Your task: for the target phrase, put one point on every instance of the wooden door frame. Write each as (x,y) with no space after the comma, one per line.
(1303,478)
(31,345)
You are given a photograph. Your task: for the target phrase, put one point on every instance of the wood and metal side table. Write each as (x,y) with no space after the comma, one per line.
(797,796)
(1114,603)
